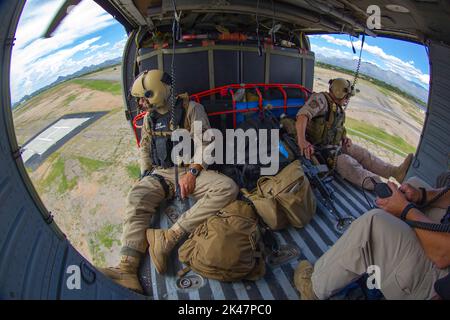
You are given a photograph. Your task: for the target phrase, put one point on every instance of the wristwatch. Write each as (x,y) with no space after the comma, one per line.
(194,171)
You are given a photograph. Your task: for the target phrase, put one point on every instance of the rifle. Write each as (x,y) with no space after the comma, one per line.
(312,173)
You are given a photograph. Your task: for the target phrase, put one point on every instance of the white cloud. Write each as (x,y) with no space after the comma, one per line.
(329,52)
(37,62)
(96,47)
(406,69)
(425,78)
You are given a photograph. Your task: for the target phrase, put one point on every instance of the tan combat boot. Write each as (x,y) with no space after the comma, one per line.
(302,280)
(160,244)
(399,173)
(125,273)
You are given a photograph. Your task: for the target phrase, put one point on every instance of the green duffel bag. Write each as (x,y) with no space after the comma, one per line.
(227,246)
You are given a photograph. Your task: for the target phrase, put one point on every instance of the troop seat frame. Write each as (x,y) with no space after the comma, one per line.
(230,90)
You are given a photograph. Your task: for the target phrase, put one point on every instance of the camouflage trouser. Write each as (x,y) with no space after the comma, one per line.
(356,163)
(378,238)
(213,191)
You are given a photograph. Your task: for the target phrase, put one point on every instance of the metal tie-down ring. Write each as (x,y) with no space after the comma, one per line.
(190,282)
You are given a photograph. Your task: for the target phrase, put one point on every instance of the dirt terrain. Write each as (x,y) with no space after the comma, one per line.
(381,108)
(110,74)
(378,106)
(63,99)
(85,182)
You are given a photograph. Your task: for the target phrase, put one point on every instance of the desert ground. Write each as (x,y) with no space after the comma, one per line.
(397,116)
(85,182)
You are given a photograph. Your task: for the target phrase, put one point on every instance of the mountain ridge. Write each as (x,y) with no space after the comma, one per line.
(374,71)
(367,68)
(82,72)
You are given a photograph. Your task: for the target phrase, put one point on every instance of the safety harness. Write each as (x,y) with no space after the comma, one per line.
(161,133)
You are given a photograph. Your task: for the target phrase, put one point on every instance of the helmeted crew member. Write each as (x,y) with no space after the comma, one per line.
(212,190)
(410,260)
(320,125)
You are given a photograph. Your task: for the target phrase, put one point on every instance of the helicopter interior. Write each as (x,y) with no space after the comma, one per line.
(219,45)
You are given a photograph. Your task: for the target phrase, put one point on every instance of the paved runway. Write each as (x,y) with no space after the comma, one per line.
(38,148)
(51,136)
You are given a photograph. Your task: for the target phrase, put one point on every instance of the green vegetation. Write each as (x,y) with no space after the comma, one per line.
(416,118)
(378,136)
(381,84)
(134,171)
(92,165)
(70,99)
(36,97)
(93,211)
(57,175)
(100,70)
(104,179)
(50,88)
(100,85)
(104,238)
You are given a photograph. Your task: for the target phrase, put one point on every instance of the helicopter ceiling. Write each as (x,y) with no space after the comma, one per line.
(412,20)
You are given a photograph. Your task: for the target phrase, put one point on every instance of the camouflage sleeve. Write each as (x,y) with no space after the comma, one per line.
(196,113)
(316,105)
(145,148)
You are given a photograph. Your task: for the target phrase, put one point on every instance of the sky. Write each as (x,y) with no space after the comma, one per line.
(404,58)
(90,36)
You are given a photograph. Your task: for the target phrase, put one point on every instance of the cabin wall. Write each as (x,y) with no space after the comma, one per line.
(199,68)
(433,153)
(34,255)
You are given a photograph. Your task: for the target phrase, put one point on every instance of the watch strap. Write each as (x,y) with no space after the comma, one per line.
(406,210)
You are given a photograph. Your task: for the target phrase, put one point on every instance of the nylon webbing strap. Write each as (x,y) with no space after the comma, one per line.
(268,235)
(163,183)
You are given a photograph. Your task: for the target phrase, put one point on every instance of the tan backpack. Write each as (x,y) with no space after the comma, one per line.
(285,198)
(227,246)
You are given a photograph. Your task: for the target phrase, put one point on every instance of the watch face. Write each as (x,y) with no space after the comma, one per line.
(194,171)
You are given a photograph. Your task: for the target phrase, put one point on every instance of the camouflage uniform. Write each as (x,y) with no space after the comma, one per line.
(213,190)
(355,163)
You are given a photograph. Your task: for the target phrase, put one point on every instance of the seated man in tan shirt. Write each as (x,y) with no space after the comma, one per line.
(212,190)
(320,125)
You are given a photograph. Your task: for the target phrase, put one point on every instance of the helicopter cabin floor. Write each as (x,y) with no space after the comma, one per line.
(306,243)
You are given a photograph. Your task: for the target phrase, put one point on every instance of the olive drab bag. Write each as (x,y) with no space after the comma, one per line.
(227,246)
(284,199)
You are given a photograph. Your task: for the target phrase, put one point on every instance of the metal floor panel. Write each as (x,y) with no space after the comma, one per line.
(313,240)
